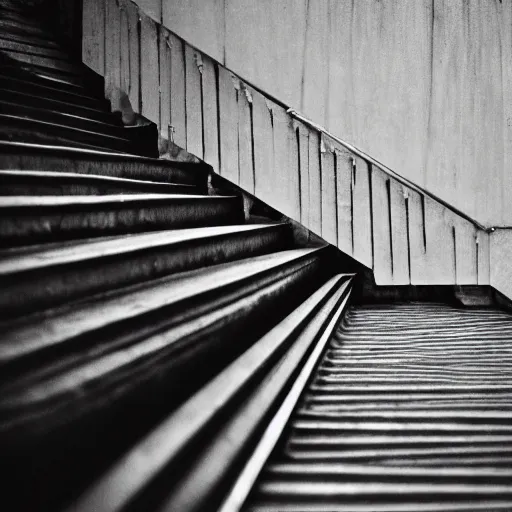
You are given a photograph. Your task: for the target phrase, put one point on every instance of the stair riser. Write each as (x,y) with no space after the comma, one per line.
(30,85)
(13,7)
(93,84)
(148,389)
(37,42)
(51,116)
(30,158)
(23,129)
(89,84)
(23,18)
(56,187)
(36,101)
(23,226)
(17,27)
(13,45)
(27,292)
(51,63)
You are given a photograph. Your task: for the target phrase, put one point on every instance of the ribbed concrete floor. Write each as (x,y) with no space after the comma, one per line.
(410,409)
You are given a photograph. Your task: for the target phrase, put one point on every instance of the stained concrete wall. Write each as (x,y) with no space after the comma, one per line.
(424,86)
(387,224)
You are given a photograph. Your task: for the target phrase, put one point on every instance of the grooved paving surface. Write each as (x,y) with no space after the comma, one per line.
(410,409)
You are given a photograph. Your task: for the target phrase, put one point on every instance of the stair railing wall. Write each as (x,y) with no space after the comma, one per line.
(402,233)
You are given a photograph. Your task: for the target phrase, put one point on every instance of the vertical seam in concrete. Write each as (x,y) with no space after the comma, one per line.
(251,114)
(454,237)
(408,227)
(370,193)
(297,137)
(184,56)
(201,86)
(335,155)
(477,250)
(219,135)
(423,223)
(237,93)
(390,223)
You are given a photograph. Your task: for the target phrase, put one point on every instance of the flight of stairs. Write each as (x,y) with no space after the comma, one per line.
(409,410)
(169,344)
(47,96)
(127,284)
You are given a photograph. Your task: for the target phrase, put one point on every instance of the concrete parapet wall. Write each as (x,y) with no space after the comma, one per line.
(404,234)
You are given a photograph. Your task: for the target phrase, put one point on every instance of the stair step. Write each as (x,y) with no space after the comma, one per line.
(63,109)
(67,82)
(15,107)
(31,85)
(9,26)
(400,443)
(14,6)
(25,20)
(31,48)
(16,127)
(40,183)
(30,40)
(25,156)
(48,275)
(121,362)
(219,446)
(51,64)
(88,84)
(29,220)
(23,340)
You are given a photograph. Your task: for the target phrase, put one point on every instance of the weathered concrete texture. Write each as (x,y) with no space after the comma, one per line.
(197,20)
(405,236)
(153,8)
(500,247)
(425,87)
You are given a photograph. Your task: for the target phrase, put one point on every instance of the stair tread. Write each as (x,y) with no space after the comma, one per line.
(79,176)
(31,335)
(14,261)
(352,440)
(59,201)
(335,468)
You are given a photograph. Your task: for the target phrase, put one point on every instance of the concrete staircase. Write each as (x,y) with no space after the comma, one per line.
(46,96)
(172,345)
(127,284)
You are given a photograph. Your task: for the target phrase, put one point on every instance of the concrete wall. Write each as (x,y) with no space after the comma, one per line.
(424,86)
(403,234)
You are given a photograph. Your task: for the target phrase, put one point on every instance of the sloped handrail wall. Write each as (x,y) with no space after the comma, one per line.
(404,235)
